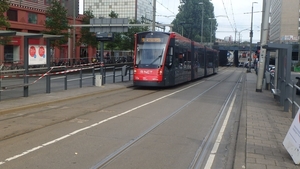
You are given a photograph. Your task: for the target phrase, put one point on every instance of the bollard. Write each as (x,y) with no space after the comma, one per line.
(124,70)
(268,80)
(98,81)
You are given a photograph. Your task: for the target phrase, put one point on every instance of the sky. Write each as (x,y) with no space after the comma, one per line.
(233,17)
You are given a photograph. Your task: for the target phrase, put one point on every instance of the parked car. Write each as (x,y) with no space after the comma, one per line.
(246,65)
(241,64)
(298,84)
(229,64)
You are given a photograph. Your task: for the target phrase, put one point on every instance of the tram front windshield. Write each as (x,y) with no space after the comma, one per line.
(150,51)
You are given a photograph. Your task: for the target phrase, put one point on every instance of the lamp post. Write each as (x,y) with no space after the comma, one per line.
(251,35)
(201,3)
(240,35)
(154,13)
(74,36)
(211,29)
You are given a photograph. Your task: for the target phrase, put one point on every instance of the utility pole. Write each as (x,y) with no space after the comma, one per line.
(264,42)
(154,13)
(202,16)
(251,35)
(74,28)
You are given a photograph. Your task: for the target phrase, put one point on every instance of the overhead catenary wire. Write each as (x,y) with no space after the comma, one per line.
(165,7)
(233,18)
(225,10)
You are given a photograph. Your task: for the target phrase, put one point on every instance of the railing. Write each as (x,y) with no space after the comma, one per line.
(12,82)
(285,92)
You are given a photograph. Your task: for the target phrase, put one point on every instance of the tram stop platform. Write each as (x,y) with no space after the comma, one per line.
(262,128)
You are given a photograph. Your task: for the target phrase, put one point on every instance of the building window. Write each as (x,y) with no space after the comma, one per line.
(12,15)
(32,18)
(32,0)
(47,2)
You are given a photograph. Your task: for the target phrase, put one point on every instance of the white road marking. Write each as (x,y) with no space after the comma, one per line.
(91,126)
(214,150)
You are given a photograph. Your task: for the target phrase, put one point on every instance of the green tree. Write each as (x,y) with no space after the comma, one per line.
(113,14)
(189,19)
(88,37)
(56,22)
(4,24)
(117,36)
(128,37)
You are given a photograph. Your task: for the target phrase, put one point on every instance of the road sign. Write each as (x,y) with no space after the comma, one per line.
(109,25)
(104,36)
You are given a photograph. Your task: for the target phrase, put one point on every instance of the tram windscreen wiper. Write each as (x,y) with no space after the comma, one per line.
(158,57)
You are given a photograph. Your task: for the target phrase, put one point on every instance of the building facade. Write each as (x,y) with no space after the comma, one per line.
(131,9)
(284,22)
(29,16)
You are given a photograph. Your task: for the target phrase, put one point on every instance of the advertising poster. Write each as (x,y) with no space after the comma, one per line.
(37,55)
(291,141)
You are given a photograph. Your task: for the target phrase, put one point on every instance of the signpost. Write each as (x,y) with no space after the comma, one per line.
(291,141)
(105,33)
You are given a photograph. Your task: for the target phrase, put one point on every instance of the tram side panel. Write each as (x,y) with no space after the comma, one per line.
(198,61)
(209,62)
(182,61)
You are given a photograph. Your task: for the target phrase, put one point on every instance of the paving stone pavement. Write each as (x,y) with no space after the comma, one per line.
(263,127)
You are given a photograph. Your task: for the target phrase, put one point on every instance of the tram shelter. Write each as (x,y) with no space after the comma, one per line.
(44,54)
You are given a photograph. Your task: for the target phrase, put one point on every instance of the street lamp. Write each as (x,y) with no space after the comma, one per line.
(240,34)
(251,35)
(211,30)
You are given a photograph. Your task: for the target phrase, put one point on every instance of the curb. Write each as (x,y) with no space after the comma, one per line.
(240,148)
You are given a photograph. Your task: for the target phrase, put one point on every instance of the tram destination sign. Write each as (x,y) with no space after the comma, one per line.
(109,25)
(151,40)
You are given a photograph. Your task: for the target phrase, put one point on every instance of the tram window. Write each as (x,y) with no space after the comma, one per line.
(169,56)
(170,51)
(181,57)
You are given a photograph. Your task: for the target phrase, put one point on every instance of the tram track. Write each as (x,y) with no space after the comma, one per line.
(118,151)
(201,154)
(53,107)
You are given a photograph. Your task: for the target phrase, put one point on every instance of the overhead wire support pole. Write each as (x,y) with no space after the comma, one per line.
(202,16)
(264,42)
(154,13)
(251,35)
(74,28)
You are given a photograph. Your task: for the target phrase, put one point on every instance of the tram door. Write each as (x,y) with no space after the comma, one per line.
(169,71)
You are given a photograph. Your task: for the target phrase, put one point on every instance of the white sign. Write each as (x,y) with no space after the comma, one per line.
(37,55)
(291,141)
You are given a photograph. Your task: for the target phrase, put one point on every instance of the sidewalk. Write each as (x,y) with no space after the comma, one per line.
(263,127)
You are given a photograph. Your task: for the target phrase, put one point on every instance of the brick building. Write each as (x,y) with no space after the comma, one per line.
(29,16)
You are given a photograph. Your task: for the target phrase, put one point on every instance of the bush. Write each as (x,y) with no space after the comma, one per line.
(297,64)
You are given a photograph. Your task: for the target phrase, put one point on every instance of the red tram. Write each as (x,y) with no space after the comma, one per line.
(167,59)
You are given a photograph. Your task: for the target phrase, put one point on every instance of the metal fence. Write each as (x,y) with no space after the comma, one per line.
(286,93)
(14,83)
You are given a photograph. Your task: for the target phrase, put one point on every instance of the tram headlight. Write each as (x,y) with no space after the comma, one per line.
(160,72)
(134,71)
